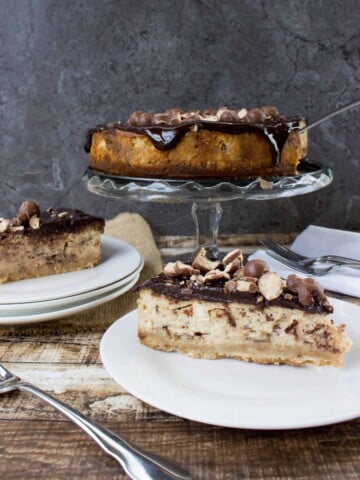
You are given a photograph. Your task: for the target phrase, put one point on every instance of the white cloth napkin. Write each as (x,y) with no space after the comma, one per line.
(315,241)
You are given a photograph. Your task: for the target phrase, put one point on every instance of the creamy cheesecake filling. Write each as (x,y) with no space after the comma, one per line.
(271,334)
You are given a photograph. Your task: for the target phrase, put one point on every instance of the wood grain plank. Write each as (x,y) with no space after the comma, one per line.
(66,347)
(87,388)
(328,453)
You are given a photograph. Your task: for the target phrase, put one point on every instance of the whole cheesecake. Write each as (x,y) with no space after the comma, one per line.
(220,143)
(212,309)
(46,242)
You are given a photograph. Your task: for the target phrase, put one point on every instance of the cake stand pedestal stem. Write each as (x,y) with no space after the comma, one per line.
(207,215)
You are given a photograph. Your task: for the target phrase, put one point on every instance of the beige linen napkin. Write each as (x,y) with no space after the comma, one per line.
(133,229)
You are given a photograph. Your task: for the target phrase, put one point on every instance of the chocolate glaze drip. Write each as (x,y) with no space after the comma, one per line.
(164,137)
(180,289)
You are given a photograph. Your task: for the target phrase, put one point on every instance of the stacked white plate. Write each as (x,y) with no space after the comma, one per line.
(47,298)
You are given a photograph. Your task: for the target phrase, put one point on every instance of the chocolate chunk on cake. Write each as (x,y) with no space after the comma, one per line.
(38,243)
(212,309)
(221,143)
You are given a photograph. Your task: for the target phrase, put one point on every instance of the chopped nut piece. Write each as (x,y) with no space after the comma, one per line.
(208,117)
(242,113)
(34,222)
(239,273)
(181,269)
(233,266)
(170,269)
(202,263)
(215,275)
(4,225)
(270,285)
(233,261)
(230,286)
(18,228)
(185,270)
(62,214)
(220,111)
(140,118)
(233,255)
(245,286)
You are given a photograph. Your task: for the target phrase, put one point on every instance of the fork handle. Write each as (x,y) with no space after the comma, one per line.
(137,463)
(355,266)
(344,260)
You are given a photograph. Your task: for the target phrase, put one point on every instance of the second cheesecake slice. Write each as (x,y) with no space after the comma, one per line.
(213,309)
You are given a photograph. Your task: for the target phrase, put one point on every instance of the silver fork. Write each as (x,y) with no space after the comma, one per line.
(137,463)
(302,260)
(307,269)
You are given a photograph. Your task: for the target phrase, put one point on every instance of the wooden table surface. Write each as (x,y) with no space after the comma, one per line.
(38,443)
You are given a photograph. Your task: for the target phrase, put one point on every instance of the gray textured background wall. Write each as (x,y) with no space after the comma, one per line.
(68,65)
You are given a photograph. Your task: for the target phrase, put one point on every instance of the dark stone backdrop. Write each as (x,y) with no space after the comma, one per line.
(68,65)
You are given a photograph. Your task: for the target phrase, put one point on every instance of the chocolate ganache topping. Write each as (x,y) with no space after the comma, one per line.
(230,280)
(166,129)
(30,220)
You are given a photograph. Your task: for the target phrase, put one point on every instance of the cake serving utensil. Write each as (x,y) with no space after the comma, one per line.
(330,115)
(137,463)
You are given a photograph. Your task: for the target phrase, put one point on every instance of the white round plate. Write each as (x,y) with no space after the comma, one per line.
(76,307)
(22,308)
(232,393)
(119,259)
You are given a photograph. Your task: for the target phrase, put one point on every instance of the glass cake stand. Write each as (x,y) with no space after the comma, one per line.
(206,195)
